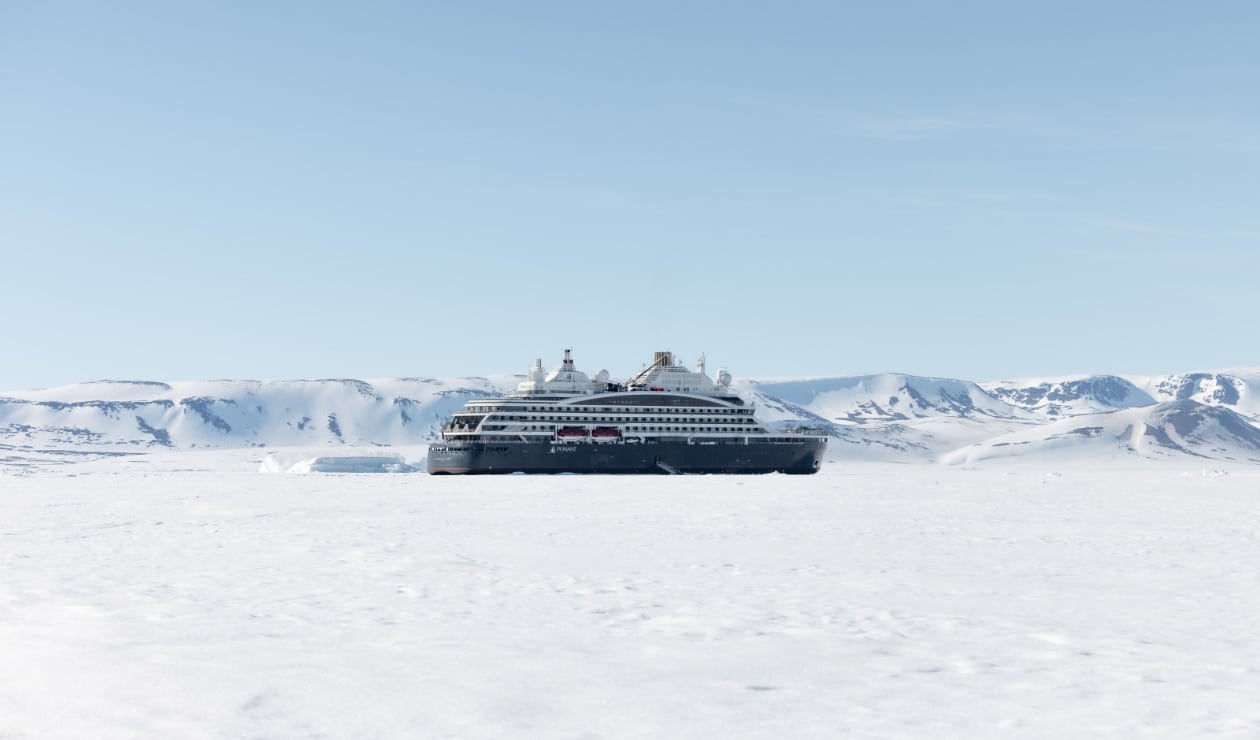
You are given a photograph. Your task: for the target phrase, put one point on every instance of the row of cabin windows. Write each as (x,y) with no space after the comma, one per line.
(643,410)
(548,428)
(649,401)
(674,420)
(620,411)
(622,416)
(705,430)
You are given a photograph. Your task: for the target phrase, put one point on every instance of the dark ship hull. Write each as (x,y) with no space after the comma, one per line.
(797,456)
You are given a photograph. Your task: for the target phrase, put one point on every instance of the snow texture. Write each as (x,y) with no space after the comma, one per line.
(182,594)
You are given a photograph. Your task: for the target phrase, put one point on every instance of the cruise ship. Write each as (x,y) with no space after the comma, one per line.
(666,419)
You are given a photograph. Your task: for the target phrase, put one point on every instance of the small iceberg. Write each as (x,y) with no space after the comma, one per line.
(306,463)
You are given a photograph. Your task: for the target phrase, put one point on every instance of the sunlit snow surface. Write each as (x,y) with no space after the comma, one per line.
(189,596)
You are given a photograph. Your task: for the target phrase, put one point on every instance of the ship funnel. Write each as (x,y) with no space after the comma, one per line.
(662,359)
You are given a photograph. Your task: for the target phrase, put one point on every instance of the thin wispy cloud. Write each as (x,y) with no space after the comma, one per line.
(1157,230)
(1243,234)
(863,124)
(973,199)
(1158,244)
(585,196)
(1153,133)
(1203,134)
(1137,227)
(894,128)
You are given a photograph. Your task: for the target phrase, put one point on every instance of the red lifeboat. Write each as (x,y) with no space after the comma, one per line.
(606,432)
(570,432)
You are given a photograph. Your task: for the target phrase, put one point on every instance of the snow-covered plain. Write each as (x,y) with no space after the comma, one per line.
(184,594)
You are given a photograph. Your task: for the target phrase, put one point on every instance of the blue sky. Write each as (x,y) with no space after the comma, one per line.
(970,190)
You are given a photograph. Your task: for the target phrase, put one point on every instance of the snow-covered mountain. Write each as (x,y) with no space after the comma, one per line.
(1234,389)
(905,417)
(1164,430)
(125,415)
(891,417)
(1071,396)
(1238,390)
(890,397)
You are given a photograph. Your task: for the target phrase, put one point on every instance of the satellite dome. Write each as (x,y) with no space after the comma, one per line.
(723,378)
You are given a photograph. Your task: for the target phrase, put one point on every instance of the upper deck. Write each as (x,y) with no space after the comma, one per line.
(664,375)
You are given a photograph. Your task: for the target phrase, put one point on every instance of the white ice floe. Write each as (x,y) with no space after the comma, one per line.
(181,594)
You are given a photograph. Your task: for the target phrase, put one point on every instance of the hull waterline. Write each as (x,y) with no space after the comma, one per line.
(797,457)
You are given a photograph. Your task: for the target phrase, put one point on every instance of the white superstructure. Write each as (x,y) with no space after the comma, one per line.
(664,401)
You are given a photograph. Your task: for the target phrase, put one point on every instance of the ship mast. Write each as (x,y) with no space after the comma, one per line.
(659,359)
